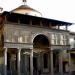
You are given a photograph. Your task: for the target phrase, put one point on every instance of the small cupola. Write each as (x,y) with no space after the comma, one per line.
(26,10)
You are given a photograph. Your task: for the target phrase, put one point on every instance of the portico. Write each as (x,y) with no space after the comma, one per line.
(30,59)
(12,57)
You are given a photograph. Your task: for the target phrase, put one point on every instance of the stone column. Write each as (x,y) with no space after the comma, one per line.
(18,61)
(40,60)
(60,63)
(69,57)
(51,58)
(31,62)
(5,61)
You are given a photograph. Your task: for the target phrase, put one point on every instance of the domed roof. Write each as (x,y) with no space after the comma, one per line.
(25,9)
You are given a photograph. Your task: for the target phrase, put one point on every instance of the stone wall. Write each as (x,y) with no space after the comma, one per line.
(26,34)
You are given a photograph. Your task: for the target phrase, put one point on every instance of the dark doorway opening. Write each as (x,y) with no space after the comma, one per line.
(35,63)
(41,41)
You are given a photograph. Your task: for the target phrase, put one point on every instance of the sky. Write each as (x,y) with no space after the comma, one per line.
(63,10)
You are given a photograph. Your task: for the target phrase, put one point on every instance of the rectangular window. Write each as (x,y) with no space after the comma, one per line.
(20,39)
(15,34)
(8,37)
(54,39)
(67,40)
(15,39)
(58,39)
(63,39)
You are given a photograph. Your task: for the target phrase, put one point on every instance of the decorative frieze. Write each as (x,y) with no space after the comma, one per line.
(18,45)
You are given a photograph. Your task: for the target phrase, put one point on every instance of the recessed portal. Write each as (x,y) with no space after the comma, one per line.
(35,63)
(41,47)
(12,61)
(41,41)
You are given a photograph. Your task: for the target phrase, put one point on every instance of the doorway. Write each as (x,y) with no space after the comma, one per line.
(41,44)
(35,70)
(35,65)
(56,61)
(11,64)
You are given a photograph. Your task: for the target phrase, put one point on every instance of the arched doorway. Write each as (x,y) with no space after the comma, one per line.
(41,41)
(41,53)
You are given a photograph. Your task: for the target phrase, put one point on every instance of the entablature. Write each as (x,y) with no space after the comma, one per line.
(18,45)
(60,47)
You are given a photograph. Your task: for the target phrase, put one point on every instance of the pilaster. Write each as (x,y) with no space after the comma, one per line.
(51,58)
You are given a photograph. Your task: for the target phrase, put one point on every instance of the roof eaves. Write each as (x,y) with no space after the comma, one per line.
(47,19)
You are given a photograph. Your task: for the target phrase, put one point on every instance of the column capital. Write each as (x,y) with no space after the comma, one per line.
(5,48)
(18,49)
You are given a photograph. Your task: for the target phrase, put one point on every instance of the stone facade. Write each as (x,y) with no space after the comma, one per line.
(29,49)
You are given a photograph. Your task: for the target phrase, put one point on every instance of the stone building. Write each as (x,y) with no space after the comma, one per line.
(72,52)
(31,44)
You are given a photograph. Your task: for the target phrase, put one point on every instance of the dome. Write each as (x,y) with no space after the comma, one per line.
(25,9)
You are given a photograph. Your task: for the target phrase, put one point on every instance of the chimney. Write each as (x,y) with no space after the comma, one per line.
(1,9)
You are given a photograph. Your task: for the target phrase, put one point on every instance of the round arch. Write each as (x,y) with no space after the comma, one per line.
(41,41)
